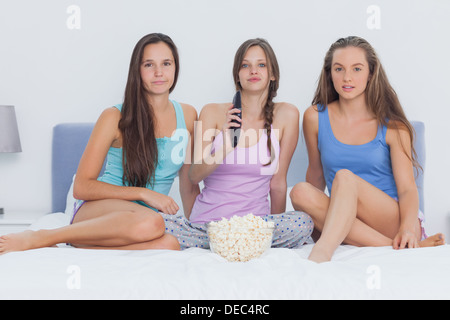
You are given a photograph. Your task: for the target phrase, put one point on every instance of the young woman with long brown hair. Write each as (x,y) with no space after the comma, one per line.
(360,146)
(239,180)
(119,209)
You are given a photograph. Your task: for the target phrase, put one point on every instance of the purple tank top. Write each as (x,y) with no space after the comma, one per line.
(240,185)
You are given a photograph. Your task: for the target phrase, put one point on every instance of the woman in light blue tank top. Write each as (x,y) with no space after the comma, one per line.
(360,147)
(145,144)
(171,156)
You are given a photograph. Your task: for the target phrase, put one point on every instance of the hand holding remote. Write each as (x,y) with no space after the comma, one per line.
(237,109)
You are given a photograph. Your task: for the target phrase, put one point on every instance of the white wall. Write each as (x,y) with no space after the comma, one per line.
(53,73)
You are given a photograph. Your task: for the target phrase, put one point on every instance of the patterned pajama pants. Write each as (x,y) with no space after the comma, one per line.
(292,229)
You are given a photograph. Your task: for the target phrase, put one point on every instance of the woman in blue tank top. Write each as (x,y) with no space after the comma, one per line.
(360,146)
(144,141)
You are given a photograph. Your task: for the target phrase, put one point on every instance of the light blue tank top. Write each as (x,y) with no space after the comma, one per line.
(171,156)
(370,161)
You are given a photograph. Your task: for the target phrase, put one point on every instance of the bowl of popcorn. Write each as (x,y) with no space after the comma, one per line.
(240,239)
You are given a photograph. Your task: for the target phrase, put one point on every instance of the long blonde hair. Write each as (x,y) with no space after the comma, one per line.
(381,98)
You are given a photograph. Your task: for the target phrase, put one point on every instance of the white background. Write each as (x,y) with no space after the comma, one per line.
(53,73)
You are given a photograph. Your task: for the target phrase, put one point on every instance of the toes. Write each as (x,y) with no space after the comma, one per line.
(438,239)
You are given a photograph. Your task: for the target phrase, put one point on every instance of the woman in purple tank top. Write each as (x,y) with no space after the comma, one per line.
(239,180)
(360,143)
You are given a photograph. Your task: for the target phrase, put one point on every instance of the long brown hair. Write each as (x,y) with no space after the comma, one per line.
(381,98)
(137,125)
(274,71)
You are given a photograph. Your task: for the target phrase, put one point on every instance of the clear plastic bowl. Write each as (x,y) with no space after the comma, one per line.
(239,244)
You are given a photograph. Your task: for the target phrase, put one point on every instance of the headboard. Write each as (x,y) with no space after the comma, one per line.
(70,139)
(419,146)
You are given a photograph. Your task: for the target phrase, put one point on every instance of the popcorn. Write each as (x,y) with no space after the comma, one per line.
(240,238)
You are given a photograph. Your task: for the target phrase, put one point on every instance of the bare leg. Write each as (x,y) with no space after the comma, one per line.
(311,200)
(433,241)
(103,223)
(167,241)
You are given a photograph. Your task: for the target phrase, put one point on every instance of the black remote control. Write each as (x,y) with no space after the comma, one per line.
(237,105)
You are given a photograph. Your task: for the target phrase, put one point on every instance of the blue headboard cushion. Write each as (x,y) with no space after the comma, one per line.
(70,139)
(419,146)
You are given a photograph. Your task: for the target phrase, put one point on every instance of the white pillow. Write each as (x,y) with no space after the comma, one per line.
(175,194)
(51,221)
(70,200)
(289,206)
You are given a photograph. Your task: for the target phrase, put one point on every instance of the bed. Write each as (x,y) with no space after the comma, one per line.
(198,274)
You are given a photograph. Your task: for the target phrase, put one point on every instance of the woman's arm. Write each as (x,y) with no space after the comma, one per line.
(314,173)
(188,190)
(211,118)
(399,142)
(104,135)
(86,187)
(287,118)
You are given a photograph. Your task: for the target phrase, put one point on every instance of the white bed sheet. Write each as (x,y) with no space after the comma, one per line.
(354,273)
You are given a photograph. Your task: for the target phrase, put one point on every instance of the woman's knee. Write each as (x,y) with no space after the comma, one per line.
(170,242)
(344,176)
(345,181)
(146,226)
(302,195)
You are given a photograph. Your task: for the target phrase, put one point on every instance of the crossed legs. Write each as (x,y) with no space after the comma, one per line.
(357,214)
(102,224)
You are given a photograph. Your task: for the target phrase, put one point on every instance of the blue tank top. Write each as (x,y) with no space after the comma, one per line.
(171,156)
(370,161)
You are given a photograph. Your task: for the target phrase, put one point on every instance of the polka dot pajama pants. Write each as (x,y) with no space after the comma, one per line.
(292,229)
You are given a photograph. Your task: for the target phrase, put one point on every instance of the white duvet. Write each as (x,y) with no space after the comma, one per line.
(354,273)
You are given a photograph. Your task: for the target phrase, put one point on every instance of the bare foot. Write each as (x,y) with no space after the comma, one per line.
(433,241)
(319,254)
(17,242)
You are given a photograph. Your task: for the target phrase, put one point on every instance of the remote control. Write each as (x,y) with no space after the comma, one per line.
(237,105)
